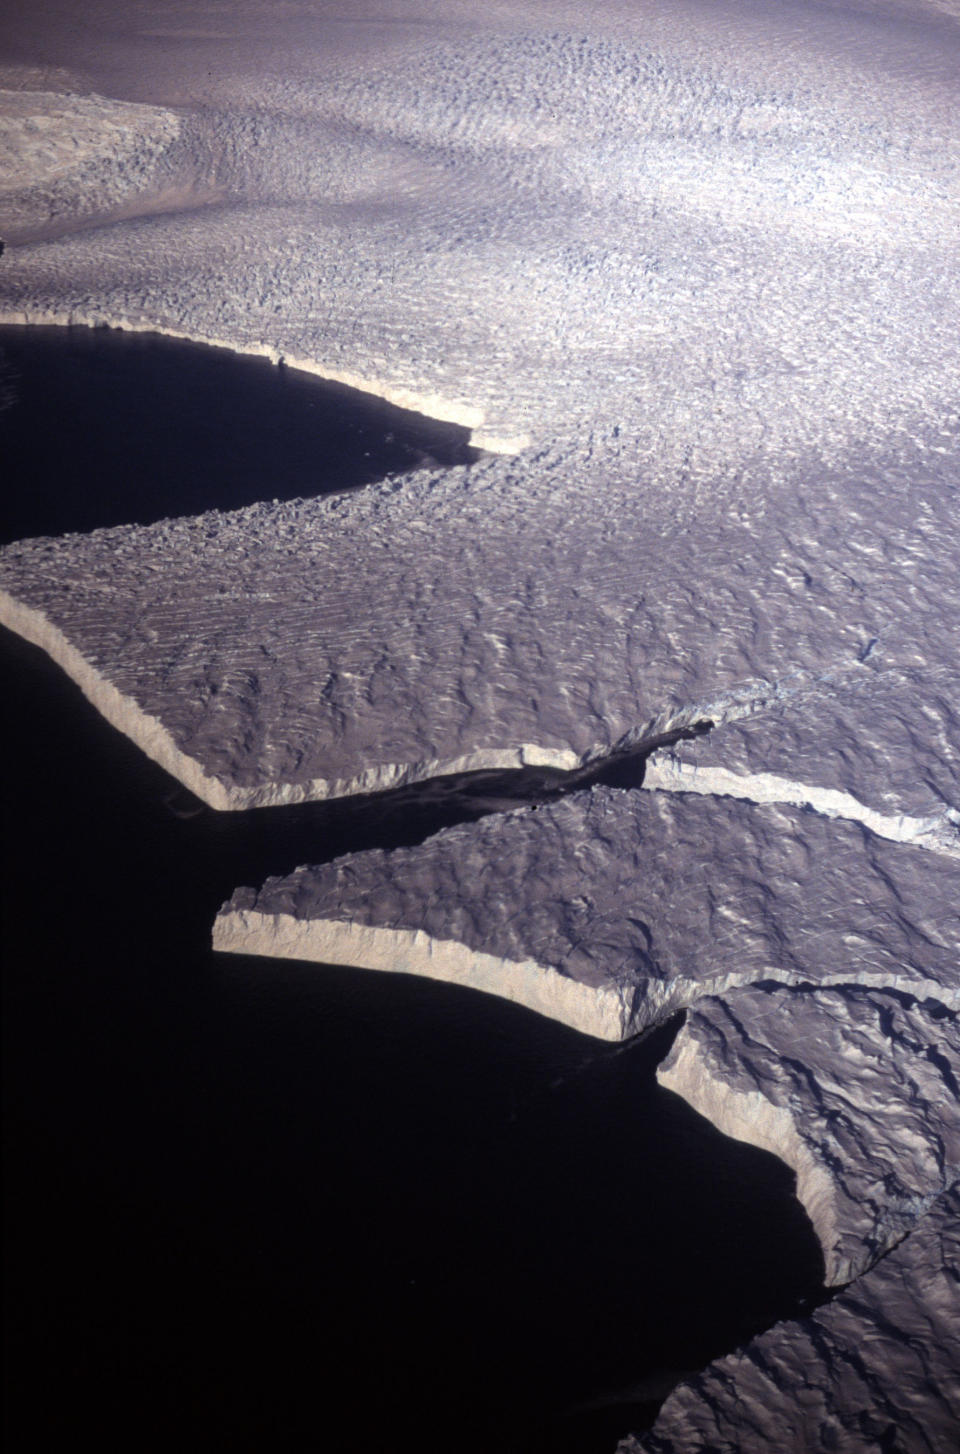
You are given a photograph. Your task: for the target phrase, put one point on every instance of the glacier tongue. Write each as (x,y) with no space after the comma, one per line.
(638,902)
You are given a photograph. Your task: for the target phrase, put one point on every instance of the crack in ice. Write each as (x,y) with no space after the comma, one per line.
(937,833)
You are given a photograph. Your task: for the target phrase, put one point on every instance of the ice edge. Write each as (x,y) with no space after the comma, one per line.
(751,1117)
(433,406)
(607,1012)
(150,735)
(603,1012)
(120,711)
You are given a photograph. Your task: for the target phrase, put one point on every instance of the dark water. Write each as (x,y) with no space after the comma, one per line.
(275,1206)
(110,428)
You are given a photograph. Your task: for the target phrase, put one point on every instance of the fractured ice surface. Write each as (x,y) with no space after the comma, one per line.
(611,908)
(874,1369)
(877,747)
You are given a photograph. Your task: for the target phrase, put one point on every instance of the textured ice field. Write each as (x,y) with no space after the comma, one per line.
(690,273)
(705,260)
(720,227)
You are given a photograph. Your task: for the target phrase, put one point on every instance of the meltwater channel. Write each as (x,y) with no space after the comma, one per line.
(260,1203)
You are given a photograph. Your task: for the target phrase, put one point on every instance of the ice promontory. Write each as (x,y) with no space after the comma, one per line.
(875,1369)
(610,908)
(251,655)
(856,1089)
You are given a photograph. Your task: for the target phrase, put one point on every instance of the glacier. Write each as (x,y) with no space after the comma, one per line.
(688,274)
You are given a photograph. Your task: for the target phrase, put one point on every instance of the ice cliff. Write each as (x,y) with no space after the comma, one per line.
(856,1089)
(648,900)
(844,746)
(818,964)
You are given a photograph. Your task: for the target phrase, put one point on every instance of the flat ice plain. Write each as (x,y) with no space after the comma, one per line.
(689,274)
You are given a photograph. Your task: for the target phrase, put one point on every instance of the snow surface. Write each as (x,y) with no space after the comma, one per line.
(690,270)
(56,149)
(719,226)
